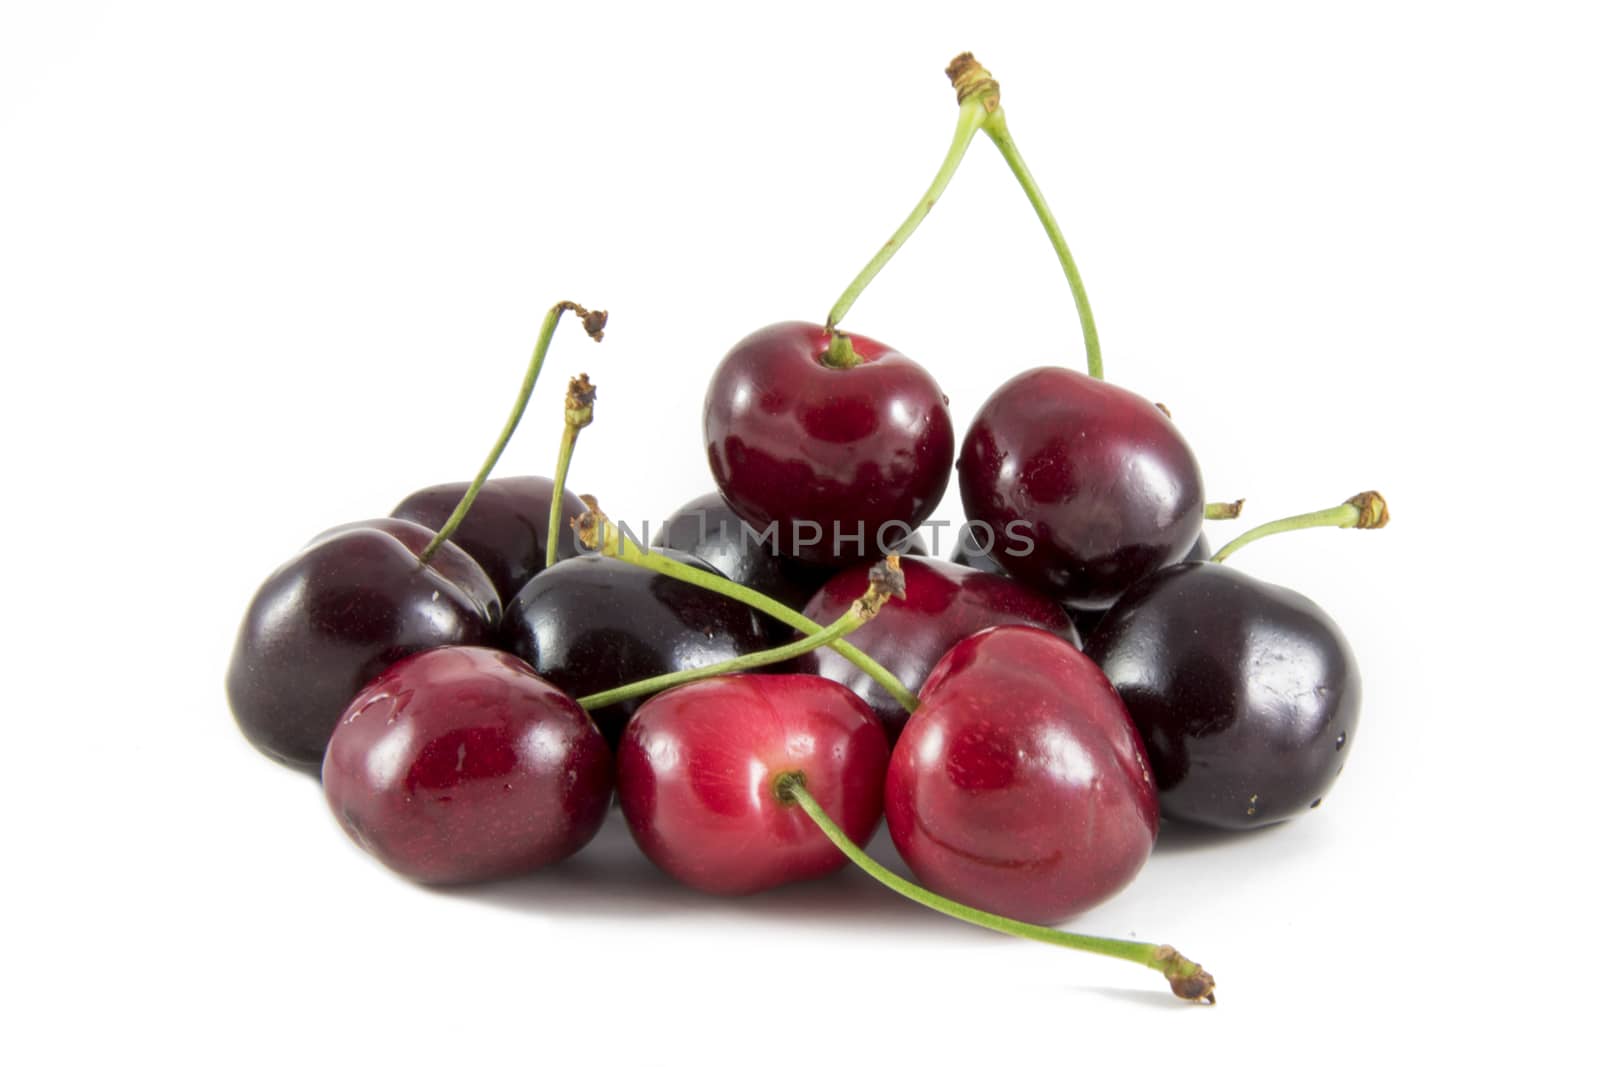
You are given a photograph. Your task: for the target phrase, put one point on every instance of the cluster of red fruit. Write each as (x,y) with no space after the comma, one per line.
(475,675)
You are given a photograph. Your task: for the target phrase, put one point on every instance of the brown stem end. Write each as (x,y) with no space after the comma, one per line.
(580,402)
(590,526)
(970,79)
(1374,510)
(1188,979)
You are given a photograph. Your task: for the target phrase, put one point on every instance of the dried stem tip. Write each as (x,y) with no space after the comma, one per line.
(580,402)
(1374,510)
(1188,979)
(969,79)
(591,525)
(885,580)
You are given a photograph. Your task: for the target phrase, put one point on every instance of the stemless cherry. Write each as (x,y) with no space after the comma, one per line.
(699,767)
(461,765)
(845,458)
(352,602)
(1246,693)
(1100,478)
(943,603)
(506,529)
(592,623)
(1021,786)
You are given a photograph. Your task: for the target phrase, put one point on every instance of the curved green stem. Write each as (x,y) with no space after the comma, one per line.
(968,123)
(859,613)
(1000,134)
(598,534)
(1187,978)
(593,322)
(1364,511)
(579,413)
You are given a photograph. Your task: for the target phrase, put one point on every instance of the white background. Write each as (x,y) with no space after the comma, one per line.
(267,268)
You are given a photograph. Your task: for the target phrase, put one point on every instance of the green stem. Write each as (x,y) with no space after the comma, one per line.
(968,123)
(593,322)
(1188,979)
(1364,511)
(1000,134)
(579,413)
(596,533)
(857,615)
(1228,509)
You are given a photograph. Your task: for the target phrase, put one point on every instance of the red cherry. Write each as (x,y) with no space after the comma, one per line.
(1097,477)
(1021,786)
(943,603)
(461,764)
(846,461)
(697,772)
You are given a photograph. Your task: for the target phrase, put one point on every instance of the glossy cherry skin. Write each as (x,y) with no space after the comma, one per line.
(943,603)
(817,449)
(697,772)
(1020,786)
(1087,621)
(461,765)
(1246,693)
(350,604)
(592,623)
(505,530)
(1099,477)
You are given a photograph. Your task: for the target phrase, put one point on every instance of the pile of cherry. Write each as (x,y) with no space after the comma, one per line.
(784,667)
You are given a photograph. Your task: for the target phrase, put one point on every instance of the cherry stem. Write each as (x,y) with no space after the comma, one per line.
(979,97)
(579,413)
(1188,979)
(596,533)
(884,581)
(1228,509)
(1364,511)
(968,123)
(594,323)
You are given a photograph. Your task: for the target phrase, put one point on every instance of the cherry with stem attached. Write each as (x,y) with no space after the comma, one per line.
(1246,694)
(598,534)
(1187,978)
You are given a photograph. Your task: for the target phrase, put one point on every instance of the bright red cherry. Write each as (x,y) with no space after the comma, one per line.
(1020,786)
(506,529)
(943,603)
(846,461)
(1100,478)
(352,602)
(461,765)
(697,772)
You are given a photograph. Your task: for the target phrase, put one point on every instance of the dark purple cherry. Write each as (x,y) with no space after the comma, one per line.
(708,529)
(593,623)
(461,765)
(698,773)
(1088,620)
(841,461)
(1246,693)
(506,529)
(351,603)
(943,603)
(1020,786)
(1098,478)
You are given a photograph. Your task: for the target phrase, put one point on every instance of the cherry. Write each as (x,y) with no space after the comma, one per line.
(943,603)
(592,623)
(1098,477)
(709,530)
(461,765)
(506,529)
(699,766)
(841,446)
(1246,693)
(1021,785)
(351,603)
